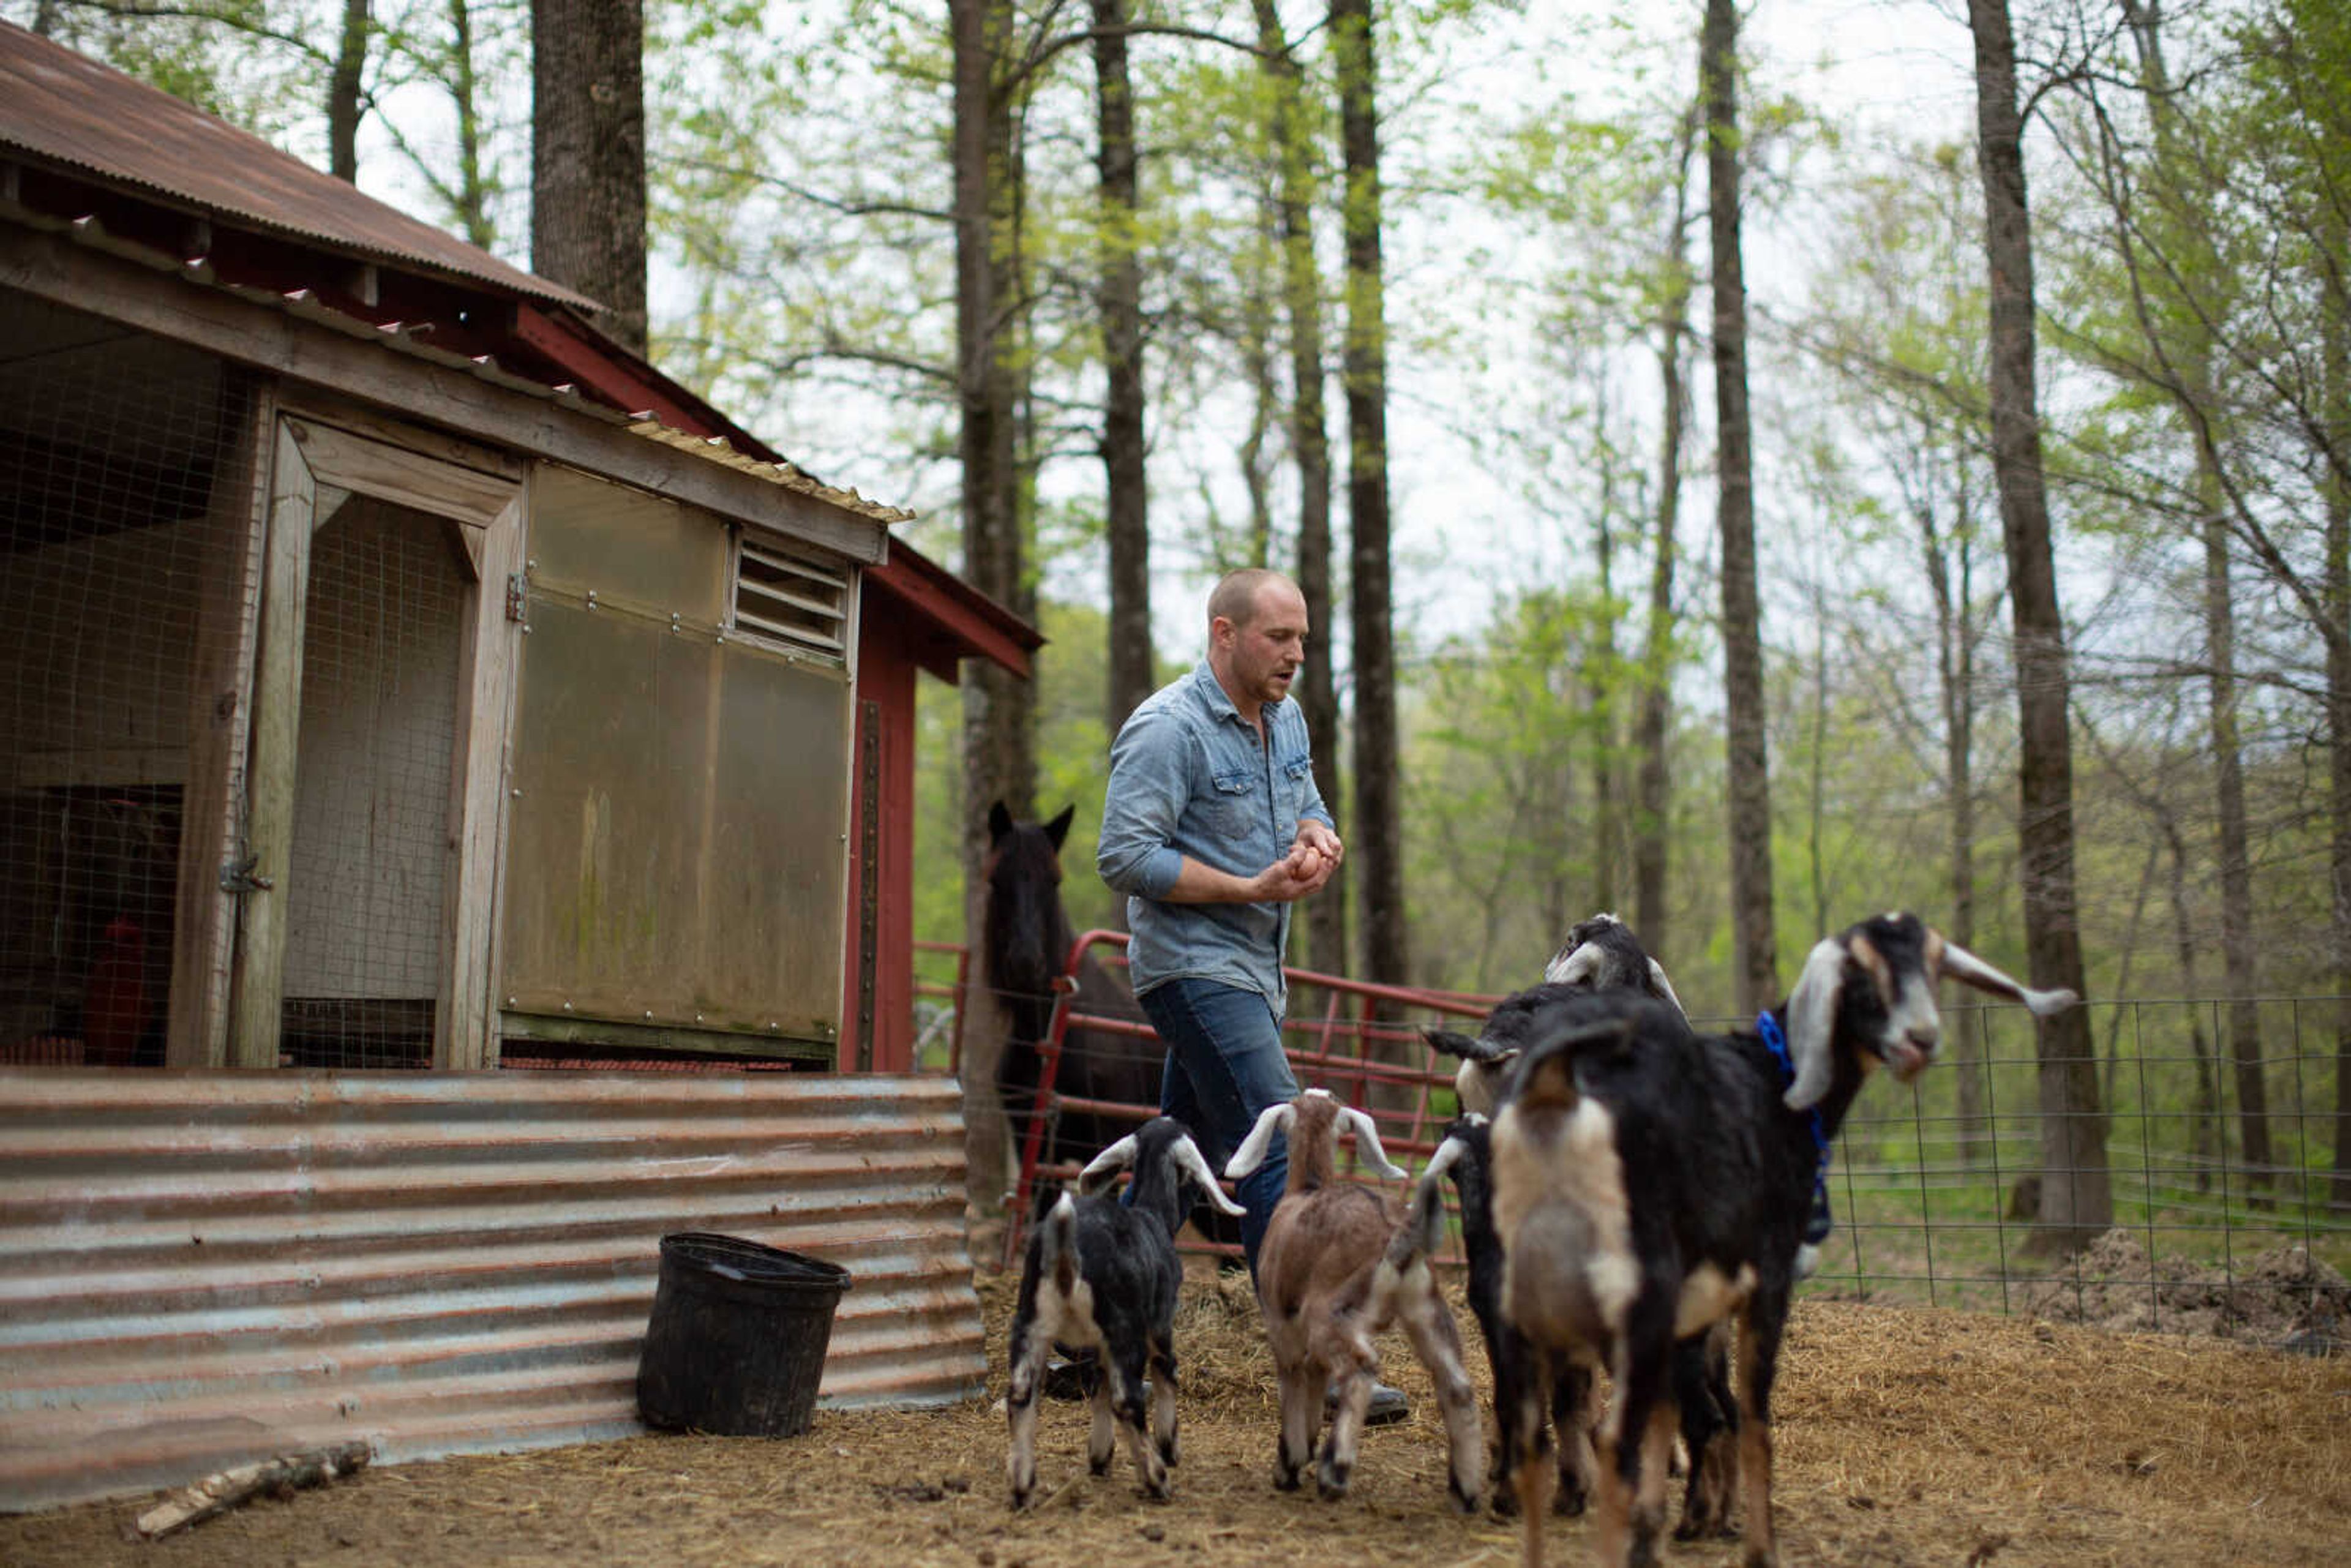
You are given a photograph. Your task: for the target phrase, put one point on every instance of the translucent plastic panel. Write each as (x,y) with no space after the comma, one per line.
(627,548)
(676,855)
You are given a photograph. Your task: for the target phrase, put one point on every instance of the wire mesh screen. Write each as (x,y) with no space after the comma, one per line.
(119,470)
(365,885)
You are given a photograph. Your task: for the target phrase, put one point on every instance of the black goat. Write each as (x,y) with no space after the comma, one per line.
(1600,954)
(1649,1181)
(1101,1274)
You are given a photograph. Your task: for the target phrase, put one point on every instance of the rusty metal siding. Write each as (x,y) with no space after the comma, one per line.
(196,1268)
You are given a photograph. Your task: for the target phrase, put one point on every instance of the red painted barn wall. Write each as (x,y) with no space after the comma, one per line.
(885,722)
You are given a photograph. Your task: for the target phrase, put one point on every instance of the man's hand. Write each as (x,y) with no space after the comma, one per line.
(1321,837)
(1302,871)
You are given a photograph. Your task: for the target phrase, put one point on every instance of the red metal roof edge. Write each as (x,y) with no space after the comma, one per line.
(978,625)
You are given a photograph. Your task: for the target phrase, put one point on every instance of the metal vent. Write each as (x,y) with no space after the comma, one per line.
(790,602)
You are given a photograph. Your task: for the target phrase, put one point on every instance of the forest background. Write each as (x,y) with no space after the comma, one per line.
(1517,362)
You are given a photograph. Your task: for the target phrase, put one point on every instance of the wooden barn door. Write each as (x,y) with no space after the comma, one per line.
(383,683)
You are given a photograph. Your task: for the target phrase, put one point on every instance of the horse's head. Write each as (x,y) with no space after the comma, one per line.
(1027,933)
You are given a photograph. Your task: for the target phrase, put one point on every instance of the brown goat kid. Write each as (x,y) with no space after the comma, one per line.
(1339,1263)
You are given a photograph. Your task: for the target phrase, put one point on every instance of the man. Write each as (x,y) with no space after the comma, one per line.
(1213,828)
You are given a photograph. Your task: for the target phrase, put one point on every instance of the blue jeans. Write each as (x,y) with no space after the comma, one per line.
(1224,1066)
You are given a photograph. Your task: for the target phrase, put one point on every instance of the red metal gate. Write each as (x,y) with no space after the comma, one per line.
(1406,1093)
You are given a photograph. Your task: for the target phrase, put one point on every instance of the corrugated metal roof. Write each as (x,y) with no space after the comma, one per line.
(201,1268)
(72,110)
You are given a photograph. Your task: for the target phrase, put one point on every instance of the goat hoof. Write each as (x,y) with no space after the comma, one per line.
(1505,1502)
(1332,1482)
(1285,1478)
(1569,1502)
(1463,1502)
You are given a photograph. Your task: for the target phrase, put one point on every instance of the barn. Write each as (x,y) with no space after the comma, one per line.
(400,681)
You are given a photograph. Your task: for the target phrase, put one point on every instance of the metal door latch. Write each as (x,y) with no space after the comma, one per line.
(237,876)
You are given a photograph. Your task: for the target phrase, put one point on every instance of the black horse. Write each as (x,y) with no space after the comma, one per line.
(1025,941)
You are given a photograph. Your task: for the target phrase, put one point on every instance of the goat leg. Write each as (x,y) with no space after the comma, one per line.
(1758,1349)
(1574,1412)
(1101,1439)
(1020,1411)
(1124,1374)
(1163,1402)
(1338,1466)
(1435,1339)
(1710,1429)
(1301,1409)
(1524,1439)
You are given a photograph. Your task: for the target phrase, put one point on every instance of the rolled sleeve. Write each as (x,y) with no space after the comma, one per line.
(1136,853)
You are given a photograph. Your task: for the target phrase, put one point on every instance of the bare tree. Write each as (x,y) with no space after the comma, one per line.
(2076,1199)
(1120,303)
(1757,961)
(1377,834)
(1310,445)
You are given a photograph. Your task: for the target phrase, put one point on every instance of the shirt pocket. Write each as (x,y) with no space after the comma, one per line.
(1235,808)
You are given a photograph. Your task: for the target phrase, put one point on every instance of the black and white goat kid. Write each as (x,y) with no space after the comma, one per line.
(1648,1182)
(1101,1274)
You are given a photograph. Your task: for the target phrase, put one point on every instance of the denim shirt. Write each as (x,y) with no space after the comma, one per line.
(1187,776)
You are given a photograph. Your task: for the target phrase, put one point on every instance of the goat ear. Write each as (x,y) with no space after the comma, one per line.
(1479,1049)
(1000,823)
(1811,1019)
(1664,988)
(1059,828)
(1189,1160)
(1968,969)
(1251,1153)
(1118,1156)
(1367,1142)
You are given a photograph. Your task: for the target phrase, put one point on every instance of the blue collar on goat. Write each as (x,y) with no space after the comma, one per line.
(1816,1229)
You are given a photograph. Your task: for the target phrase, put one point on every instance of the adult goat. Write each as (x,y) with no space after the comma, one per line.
(1649,1181)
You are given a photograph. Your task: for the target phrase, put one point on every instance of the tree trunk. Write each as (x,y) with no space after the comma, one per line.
(473,205)
(1309,443)
(999,718)
(1756,959)
(2204,1136)
(2337,346)
(1121,299)
(1377,841)
(1607,829)
(343,88)
(587,155)
(2193,388)
(1955,656)
(1652,807)
(2076,1199)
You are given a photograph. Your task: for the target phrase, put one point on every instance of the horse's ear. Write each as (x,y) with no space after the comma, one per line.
(1059,828)
(1000,823)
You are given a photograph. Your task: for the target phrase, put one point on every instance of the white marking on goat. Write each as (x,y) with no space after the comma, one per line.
(1567,1165)
(1708,1297)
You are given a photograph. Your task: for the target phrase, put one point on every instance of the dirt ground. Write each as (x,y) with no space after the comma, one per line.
(1906,1436)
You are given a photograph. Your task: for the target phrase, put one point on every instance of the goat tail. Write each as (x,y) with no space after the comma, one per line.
(1057,1251)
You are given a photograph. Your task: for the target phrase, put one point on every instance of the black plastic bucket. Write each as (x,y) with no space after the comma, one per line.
(737,1343)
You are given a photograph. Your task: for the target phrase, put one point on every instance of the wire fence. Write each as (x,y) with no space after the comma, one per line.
(1936,1186)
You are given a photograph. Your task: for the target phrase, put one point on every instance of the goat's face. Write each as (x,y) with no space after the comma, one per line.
(1873,987)
(1602,954)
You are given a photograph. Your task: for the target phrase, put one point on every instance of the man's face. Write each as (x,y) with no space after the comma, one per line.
(1263,657)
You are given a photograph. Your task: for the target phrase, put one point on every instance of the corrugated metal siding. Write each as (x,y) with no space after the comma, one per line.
(199,1267)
